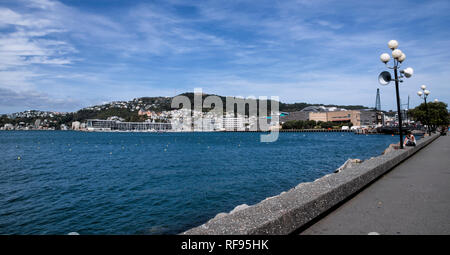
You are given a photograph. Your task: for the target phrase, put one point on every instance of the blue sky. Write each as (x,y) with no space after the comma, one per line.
(64,55)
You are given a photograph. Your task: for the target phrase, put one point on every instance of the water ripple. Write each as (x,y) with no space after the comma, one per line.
(142,183)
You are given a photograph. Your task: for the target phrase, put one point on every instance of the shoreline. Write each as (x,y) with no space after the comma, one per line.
(237,131)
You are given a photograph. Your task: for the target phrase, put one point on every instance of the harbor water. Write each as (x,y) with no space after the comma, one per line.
(56,182)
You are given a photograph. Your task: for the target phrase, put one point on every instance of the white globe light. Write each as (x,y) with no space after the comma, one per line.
(408,72)
(427,92)
(419,93)
(402,57)
(435,100)
(385,58)
(423,87)
(392,44)
(397,53)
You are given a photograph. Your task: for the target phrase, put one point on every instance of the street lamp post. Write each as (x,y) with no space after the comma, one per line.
(424,93)
(385,77)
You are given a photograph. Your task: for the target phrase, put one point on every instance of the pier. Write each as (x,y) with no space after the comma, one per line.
(115,125)
(413,198)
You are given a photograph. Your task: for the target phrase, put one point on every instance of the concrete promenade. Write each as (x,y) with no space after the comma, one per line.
(413,198)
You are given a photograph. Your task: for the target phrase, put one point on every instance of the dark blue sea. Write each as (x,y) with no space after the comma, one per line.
(56,182)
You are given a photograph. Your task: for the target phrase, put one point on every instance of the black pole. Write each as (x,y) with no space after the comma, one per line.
(399,113)
(428,116)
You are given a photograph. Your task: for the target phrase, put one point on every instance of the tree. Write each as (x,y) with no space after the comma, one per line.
(437,114)
(299,124)
(326,125)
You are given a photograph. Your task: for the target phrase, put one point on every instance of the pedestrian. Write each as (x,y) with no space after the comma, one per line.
(444,130)
(410,140)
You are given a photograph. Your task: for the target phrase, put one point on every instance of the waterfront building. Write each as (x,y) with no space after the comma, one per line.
(212,124)
(234,123)
(380,118)
(252,123)
(345,116)
(181,125)
(370,118)
(115,125)
(8,126)
(318,116)
(356,117)
(76,125)
(389,120)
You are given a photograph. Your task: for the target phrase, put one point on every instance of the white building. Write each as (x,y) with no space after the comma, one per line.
(212,124)
(234,123)
(9,126)
(76,125)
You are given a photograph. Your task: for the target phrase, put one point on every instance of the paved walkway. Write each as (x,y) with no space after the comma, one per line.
(414,198)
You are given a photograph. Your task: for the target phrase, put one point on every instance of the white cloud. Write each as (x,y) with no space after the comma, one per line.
(26,44)
(42,4)
(331,25)
(30,99)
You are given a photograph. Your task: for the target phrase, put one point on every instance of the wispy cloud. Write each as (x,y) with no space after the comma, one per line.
(34,100)
(28,41)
